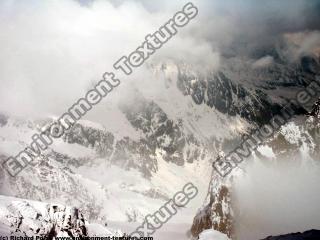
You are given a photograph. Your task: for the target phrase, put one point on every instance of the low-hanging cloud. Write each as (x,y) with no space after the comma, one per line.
(277,198)
(52,51)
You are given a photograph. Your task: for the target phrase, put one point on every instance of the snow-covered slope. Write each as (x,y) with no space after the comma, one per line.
(78,171)
(165,132)
(21,217)
(212,234)
(293,154)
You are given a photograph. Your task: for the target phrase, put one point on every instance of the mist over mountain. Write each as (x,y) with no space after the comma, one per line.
(224,75)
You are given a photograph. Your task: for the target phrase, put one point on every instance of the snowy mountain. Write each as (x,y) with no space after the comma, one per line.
(256,92)
(78,171)
(163,135)
(21,217)
(296,143)
(307,235)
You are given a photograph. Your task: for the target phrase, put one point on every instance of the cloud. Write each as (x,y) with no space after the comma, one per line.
(52,51)
(263,62)
(302,43)
(274,199)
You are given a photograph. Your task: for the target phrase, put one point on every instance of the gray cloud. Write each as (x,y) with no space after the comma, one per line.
(58,48)
(278,198)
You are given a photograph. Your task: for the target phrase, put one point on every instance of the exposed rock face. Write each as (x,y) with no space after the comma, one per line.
(220,92)
(310,64)
(46,220)
(202,221)
(161,135)
(308,235)
(236,90)
(3,120)
(315,112)
(217,213)
(240,89)
(100,140)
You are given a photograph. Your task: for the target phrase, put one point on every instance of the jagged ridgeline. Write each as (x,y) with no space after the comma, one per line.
(157,141)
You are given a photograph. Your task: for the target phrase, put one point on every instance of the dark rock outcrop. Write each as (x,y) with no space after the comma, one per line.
(308,235)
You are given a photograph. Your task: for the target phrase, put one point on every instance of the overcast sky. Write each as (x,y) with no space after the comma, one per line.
(51,51)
